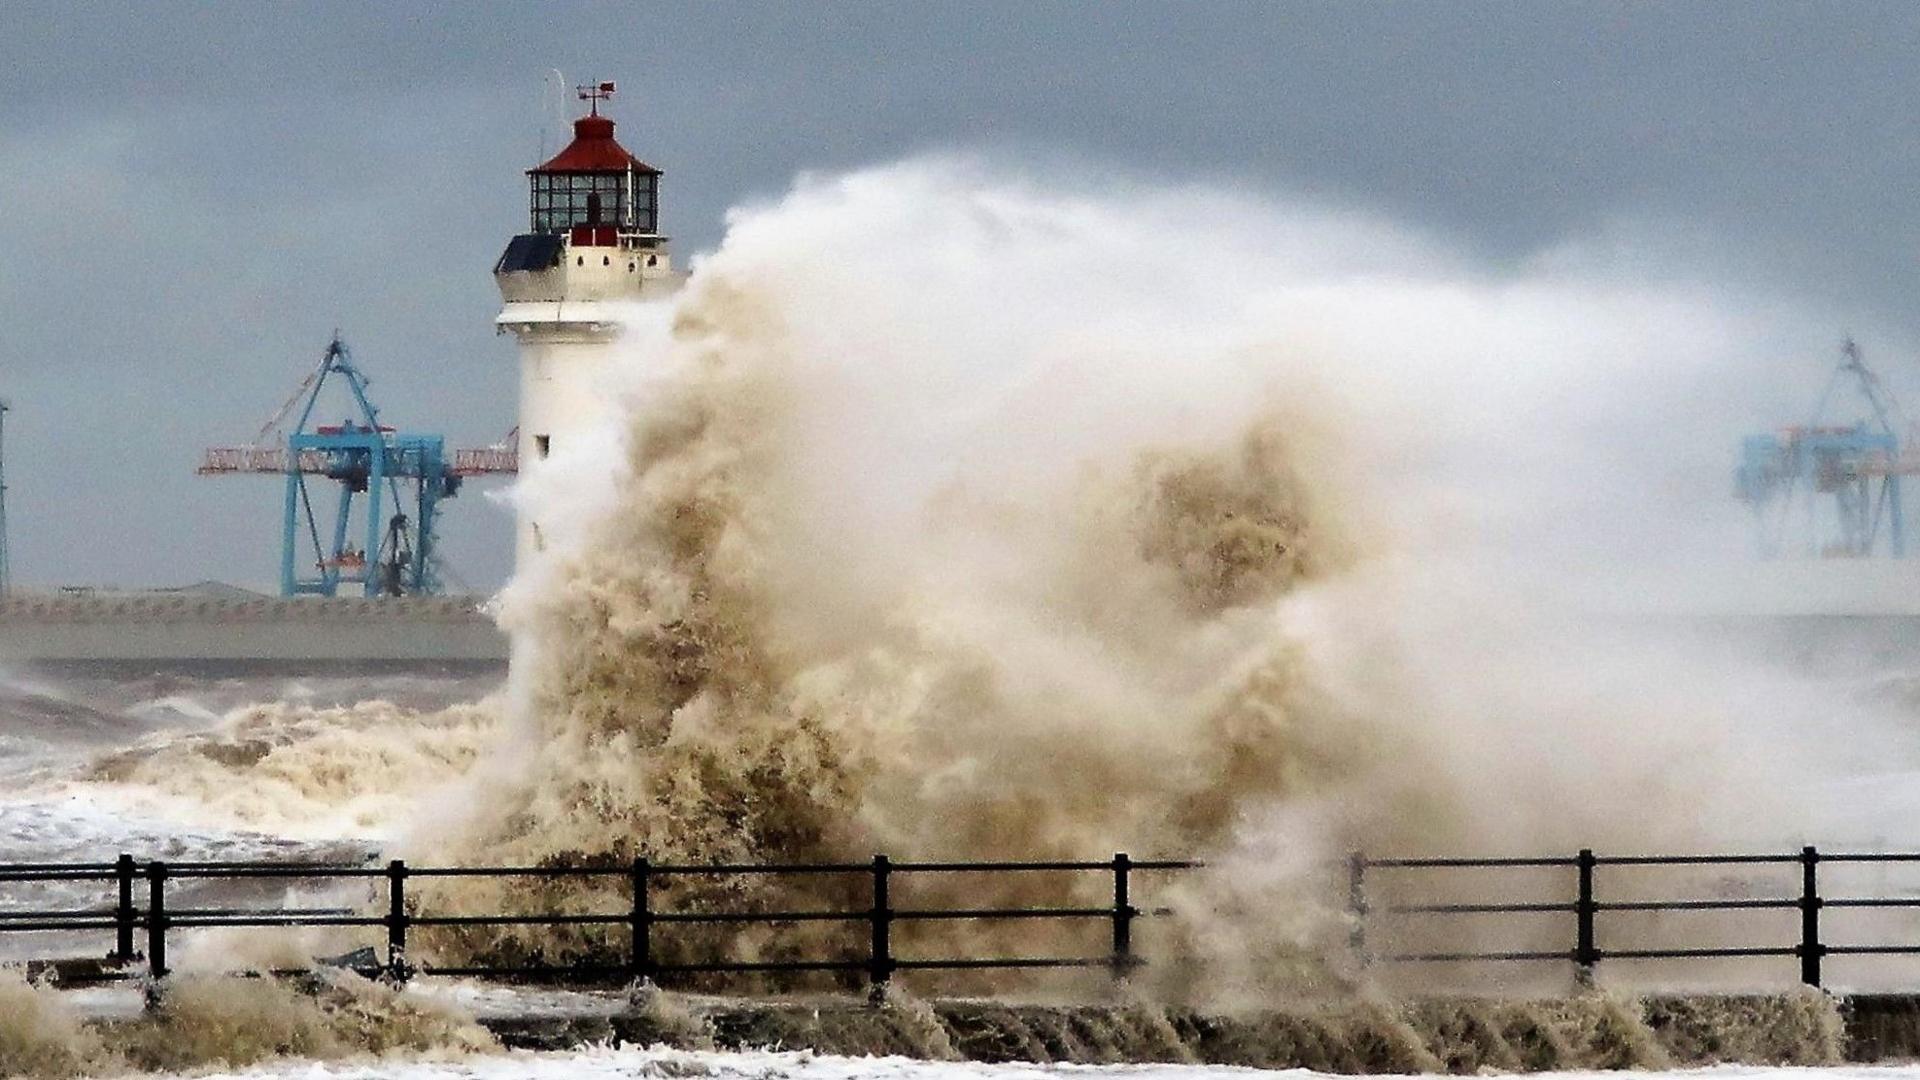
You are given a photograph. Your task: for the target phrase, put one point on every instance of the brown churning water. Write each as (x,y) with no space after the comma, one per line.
(959,517)
(956,516)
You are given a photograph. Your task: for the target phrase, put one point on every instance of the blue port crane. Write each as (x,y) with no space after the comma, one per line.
(394,480)
(1832,490)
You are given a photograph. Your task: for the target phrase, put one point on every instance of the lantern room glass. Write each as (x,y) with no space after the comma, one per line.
(561,200)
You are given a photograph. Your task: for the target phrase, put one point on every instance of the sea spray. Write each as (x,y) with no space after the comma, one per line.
(1452,1035)
(1801,1027)
(40,1034)
(229,1022)
(299,771)
(235,1022)
(210,1022)
(977,540)
(960,515)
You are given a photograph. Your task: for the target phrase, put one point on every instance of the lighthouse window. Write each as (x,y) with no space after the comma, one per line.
(542,444)
(559,201)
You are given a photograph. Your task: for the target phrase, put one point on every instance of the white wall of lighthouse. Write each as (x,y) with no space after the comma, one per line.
(593,251)
(563,379)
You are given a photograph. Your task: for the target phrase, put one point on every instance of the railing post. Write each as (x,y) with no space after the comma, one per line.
(157,919)
(1123,913)
(1586,953)
(1810,949)
(1357,907)
(641,958)
(123,914)
(880,960)
(397,969)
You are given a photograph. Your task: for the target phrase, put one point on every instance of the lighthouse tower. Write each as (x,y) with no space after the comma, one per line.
(592,249)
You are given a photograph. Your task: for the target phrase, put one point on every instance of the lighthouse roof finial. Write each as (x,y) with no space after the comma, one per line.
(594,94)
(594,149)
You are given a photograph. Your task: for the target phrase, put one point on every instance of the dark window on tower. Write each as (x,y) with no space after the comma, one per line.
(542,444)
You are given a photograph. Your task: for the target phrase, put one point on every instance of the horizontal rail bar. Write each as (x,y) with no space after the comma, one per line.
(75,916)
(52,925)
(1479,909)
(1006,962)
(90,870)
(275,871)
(213,869)
(1685,954)
(1873,902)
(275,920)
(141,914)
(1698,860)
(1022,867)
(57,875)
(111,917)
(697,869)
(715,967)
(344,917)
(1459,957)
(1873,950)
(515,920)
(1694,905)
(512,871)
(1441,863)
(1604,954)
(247,864)
(1445,862)
(1003,913)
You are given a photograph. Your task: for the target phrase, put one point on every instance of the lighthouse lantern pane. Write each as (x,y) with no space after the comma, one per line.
(559,201)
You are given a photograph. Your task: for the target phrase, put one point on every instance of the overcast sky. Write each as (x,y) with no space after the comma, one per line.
(193,196)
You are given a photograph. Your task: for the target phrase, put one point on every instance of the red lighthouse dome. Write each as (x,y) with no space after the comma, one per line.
(594,149)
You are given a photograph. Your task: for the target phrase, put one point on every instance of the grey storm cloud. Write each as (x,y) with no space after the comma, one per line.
(195,196)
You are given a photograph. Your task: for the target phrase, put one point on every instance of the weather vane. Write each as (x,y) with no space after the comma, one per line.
(594,94)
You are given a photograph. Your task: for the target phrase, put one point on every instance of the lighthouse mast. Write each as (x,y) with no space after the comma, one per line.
(593,245)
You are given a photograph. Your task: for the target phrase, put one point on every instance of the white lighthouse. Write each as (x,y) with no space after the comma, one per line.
(592,248)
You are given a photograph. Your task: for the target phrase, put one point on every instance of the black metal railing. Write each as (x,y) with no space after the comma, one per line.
(1586,906)
(1387,900)
(161,921)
